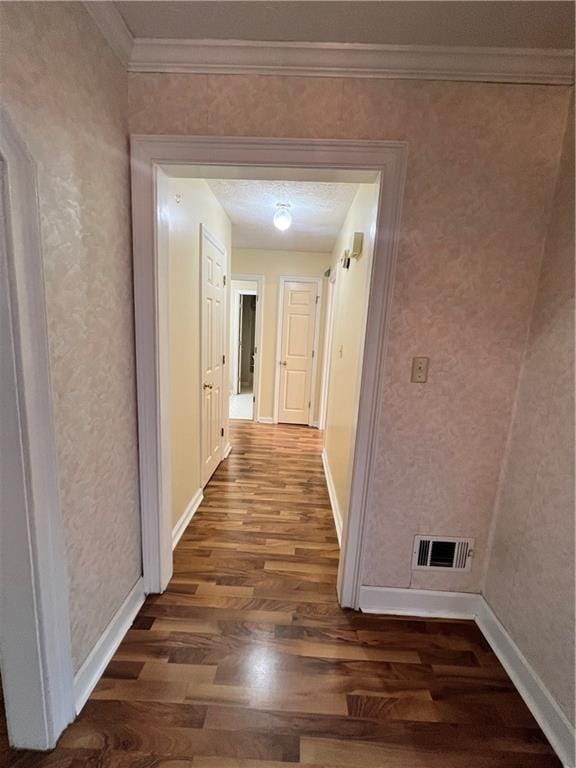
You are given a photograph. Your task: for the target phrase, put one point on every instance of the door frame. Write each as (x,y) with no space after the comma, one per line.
(260,281)
(204,231)
(149,154)
(35,644)
(279,318)
(327,351)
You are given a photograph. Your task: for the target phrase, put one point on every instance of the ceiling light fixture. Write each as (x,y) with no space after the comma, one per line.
(282,217)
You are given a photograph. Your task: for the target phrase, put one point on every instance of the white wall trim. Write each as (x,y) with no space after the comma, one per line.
(227,450)
(413,62)
(327,352)
(313,59)
(93,667)
(109,21)
(35,647)
(336,513)
(558,730)
(460,605)
(419,602)
(187,515)
(265,420)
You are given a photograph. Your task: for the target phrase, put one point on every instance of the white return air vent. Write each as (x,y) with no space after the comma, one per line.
(445,554)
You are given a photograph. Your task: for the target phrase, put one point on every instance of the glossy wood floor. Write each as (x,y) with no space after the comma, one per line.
(247,661)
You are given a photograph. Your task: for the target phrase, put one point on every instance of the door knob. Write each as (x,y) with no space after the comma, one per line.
(207,386)
(282,362)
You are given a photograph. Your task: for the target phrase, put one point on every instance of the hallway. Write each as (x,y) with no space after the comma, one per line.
(247,661)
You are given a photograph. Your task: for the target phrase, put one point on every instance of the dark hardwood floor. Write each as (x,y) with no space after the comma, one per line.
(247,661)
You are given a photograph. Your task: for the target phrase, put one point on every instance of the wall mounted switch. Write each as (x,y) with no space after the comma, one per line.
(419,370)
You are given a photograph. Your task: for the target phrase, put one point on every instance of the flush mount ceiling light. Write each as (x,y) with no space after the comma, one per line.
(282,217)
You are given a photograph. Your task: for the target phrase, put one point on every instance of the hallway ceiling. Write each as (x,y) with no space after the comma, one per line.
(521,24)
(318,211)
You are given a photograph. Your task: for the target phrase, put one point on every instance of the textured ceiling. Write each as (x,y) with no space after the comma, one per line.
(520,24)
(318,212)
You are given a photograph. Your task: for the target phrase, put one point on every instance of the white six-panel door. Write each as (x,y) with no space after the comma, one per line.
(298,330)
(212,341)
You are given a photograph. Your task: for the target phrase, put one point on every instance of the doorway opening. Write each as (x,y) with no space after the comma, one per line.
(245,330)
(300,387)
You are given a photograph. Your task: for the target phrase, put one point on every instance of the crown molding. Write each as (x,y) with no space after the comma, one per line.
(110,22)
(499,65)
(239,57)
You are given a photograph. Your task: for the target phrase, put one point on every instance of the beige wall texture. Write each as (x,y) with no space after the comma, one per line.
(482,161)
(66,93)
(348,329)
(197,206)
(273,265)
(530,576)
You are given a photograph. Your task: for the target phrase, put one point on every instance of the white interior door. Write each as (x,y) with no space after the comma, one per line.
(298,324)
(213,266)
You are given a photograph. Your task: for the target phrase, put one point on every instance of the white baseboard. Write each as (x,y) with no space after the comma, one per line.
(558,730)
(187,515)
(227,450)
(461,605)
(419,602)
(336,514)
(265,420)
(91,670)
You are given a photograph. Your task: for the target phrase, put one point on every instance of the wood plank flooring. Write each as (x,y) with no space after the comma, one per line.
(247,661)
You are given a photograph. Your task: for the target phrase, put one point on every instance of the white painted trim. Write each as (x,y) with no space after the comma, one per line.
(258,335)
(315,344)
(265,420)
(419,602)
(151,285)
(149,154)
(336,513)
(327,351)
(187,515)
(310,59)
(227,450)
(35,648)
(110,22)
(371,401)
(557,729)
(460,605)
(92,669)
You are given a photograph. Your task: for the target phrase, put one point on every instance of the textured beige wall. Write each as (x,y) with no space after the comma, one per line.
(530,577)
(481,171)
(66,93)
(197,206)
(349,325)
(273,265)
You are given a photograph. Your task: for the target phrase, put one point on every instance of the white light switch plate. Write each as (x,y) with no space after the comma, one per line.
(419,370)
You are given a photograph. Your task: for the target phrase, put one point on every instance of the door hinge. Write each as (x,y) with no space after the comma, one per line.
(309,404)
(223,359)
(253,398)
(317,299)
(224,279)
(255,350)
(222,432)
(312,353)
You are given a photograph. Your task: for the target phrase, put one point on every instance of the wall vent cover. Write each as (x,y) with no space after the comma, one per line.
(442,554)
